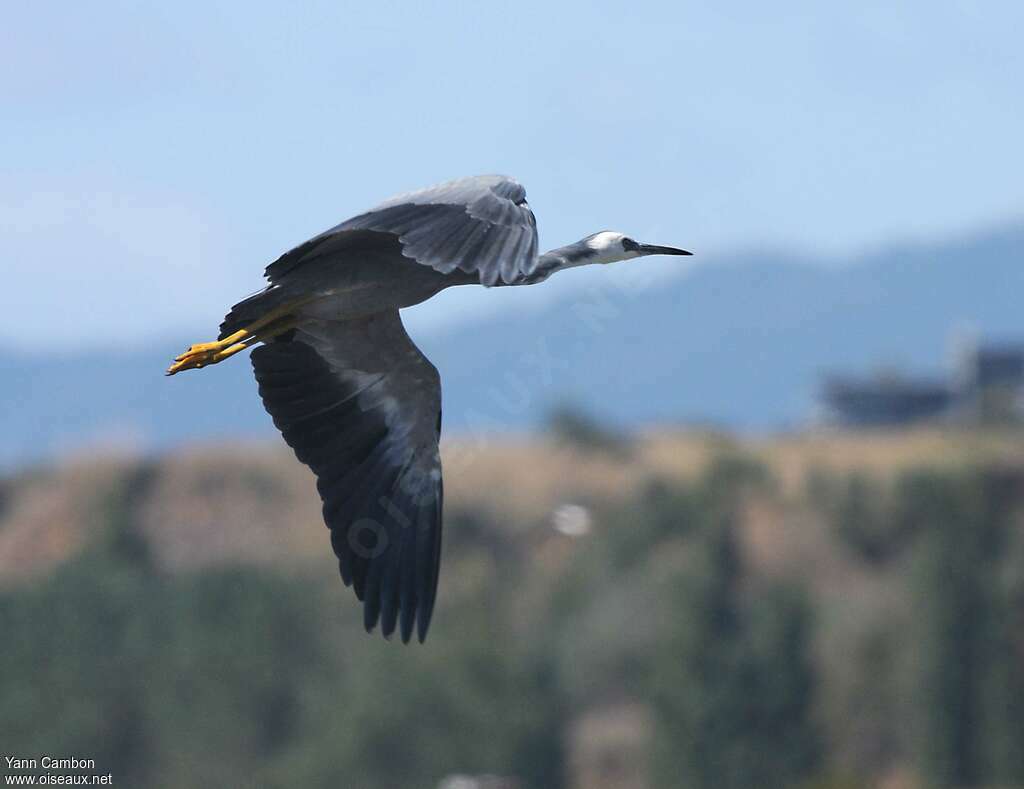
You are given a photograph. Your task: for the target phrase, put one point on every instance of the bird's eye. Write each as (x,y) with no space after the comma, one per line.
(629,245)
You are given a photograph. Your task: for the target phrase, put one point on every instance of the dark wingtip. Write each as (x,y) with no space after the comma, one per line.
(406,623)
(388,620)
(423,624)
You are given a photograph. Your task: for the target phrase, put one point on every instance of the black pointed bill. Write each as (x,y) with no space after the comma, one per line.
(654,249)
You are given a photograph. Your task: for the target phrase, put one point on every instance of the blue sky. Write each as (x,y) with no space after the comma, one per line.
(155,156)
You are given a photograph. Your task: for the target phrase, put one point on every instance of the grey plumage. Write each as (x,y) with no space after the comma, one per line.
(361,406)
(480,225)
(352,394)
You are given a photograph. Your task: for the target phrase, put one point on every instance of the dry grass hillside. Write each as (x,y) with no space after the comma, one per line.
(255,503)
(818,594)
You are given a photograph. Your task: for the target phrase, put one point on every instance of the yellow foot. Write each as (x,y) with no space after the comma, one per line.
(190,361)
(207,348)
(207,353)
(200,348)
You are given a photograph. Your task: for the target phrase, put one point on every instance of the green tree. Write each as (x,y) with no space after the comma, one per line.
(733,683)
(970,691)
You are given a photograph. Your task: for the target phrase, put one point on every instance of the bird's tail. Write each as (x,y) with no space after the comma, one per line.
(251,309)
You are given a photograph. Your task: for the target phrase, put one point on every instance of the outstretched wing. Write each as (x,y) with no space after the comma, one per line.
(361,406)
(480,225)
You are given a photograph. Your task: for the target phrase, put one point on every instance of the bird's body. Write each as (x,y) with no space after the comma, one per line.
(350,391)
(375,279)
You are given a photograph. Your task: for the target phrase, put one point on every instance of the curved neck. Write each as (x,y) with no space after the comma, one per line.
(570,256)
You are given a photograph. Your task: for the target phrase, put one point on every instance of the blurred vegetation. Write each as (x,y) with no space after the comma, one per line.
(570,426)
(754,673)
(732,680)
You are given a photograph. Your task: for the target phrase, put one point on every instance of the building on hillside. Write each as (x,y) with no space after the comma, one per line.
(989,380)
(985,386)
(884,400)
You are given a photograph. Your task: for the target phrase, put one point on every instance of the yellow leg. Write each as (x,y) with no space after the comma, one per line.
(205,354)
(241,335)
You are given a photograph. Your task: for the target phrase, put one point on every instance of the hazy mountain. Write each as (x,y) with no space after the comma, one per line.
(738,341)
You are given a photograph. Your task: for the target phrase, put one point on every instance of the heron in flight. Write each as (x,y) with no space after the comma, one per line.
(352,394)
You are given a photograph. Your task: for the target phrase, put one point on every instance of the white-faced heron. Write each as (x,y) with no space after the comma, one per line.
(352,394)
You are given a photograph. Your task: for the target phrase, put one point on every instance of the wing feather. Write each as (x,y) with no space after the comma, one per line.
(480,225)
(360,405)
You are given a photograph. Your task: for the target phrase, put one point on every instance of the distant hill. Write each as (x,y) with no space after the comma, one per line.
(738,342)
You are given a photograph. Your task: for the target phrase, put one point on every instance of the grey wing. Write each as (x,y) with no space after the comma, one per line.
(361,406)
(480,225)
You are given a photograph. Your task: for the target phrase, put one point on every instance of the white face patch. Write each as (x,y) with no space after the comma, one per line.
(607,246)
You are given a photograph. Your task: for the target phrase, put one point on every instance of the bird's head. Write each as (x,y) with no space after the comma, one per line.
(609,247)
(604,247)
